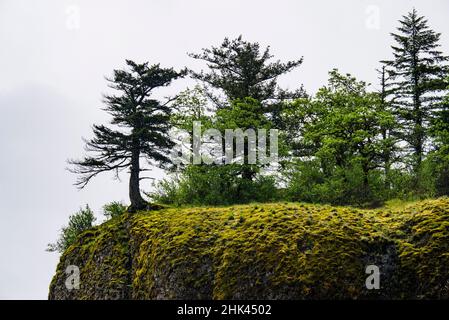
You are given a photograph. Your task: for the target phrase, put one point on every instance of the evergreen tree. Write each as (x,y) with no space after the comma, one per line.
(142,128)
(418,70)
(439,157)
(241,69)
(244,114)
(388,129)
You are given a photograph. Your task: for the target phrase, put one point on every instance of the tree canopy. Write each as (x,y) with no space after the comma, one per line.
(141,128)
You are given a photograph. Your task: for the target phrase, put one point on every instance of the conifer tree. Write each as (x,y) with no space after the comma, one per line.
(388,129)
(141,129)
(418,70)
(241,70)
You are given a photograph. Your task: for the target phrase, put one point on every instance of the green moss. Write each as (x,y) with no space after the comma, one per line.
(102,257)
(285,250)
(424,250)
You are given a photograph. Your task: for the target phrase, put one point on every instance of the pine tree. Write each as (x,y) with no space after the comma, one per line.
(142,125)
(418,70)
(439,157)
(241,70)
(388,128)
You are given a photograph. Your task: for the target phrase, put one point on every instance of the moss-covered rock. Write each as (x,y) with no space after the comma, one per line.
(269,251)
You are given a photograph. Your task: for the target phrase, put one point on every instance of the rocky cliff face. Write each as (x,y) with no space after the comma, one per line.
(270,251)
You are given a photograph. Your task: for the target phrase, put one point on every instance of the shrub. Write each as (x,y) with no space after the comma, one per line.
(114,209)
(78,223)
(215,185)
(341,186)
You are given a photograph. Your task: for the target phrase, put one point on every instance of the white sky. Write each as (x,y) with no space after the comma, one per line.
(53,59)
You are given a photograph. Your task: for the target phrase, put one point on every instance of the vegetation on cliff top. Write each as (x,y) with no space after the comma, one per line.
(273,251)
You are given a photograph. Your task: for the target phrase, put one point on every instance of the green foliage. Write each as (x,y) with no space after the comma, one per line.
(114,209)
(343,186)
(345,132)
(139,128)
(241,69)
(190,105)
(418,70)
(438,159)
(222,184)
(244,114)
(78,223)
(215,185)
(347,144)
(341,141)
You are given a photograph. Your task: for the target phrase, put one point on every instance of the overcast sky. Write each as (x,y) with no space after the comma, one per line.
(53,59)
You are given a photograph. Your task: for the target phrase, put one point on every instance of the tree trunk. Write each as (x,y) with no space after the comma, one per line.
(366,186)
(137,202)
(386,155)
(418,122)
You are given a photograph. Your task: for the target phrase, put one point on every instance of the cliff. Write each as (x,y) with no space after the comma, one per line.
(269,251)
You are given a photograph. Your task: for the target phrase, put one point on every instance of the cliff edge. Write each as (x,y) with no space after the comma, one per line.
(263,251)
